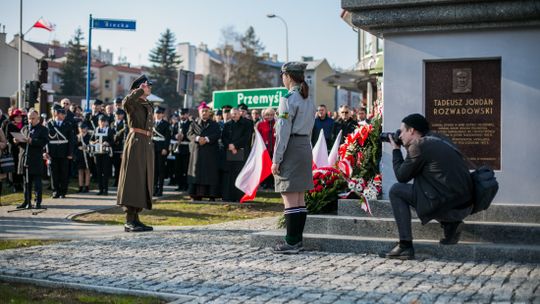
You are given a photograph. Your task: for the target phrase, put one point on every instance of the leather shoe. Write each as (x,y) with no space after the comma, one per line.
(400,253)
(25,205)
(143,226)
(56,195)
(132,227)
(452,232)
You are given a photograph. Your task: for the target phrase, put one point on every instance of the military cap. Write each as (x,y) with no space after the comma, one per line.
(103,118)
(137,82)
(58,109)
(159,110)
(294,67)
(118,100)
(98,102)
(243,107)
(83,125)
(120,112)
(184,111)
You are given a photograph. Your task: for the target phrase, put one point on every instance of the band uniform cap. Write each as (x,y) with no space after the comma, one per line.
(118,100)
(417,121)
(103,118)
(159,110)
(294,66)
(83,125)
(120,112)
(98,102)
(137,82)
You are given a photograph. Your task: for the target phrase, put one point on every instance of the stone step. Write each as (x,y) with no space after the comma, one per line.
(495,213)
(488,232)
(425,249)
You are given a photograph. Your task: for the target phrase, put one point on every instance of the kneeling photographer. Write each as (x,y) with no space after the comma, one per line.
(442,186)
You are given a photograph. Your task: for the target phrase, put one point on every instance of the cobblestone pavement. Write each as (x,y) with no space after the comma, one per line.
(217,265)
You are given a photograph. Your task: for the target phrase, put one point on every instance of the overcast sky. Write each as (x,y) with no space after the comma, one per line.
(315,28)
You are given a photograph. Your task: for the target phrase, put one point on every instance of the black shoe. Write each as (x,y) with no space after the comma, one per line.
(38,205)
(56,195)
(25,205)
(81,190)
(285,248)
(452,232)
(86,189)
(63,196)
(399,253)
(100,192)
(143,226)
(132,227)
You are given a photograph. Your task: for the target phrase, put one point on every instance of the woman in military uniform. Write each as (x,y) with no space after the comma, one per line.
(291,164)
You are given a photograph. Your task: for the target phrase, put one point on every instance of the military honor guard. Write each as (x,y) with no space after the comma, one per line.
(203,171)
(121,131)
(60,150)
(32,160)
(181,152)
(102,141)
(83,159)
(161,138)
(137,169)
(236,138)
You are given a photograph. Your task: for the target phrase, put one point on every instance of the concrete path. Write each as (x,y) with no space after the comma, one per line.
(55,222)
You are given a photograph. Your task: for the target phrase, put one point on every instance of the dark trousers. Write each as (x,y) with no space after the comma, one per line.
(60,175)
(401,198)
(117,162)
(103,171)
(160,170)
(182,164)
(38,188)
(230,192)
(132,214)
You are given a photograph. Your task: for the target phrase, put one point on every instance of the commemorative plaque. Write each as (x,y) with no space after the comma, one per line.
(463,102)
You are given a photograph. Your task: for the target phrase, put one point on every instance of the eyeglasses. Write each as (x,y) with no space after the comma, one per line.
(344,112)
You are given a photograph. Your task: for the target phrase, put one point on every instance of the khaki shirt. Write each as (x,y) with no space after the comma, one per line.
(296,116)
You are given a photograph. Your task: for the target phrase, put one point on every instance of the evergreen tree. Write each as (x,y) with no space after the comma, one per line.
(164,71)
(248,72)
(73,72)
(210,84)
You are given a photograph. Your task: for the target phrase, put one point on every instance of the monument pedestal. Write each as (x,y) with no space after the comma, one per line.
(490,235)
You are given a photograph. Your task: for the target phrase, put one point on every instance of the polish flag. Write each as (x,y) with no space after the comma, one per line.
(257,168)
(333,157)
(44,24)
(320,152)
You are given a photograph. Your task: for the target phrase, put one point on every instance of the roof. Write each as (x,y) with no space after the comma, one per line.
(312,65)
(59,51)
(126,69)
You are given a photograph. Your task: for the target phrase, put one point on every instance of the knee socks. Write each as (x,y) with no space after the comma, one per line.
(295,220)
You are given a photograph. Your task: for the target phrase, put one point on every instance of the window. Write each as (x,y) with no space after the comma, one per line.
(120,79)
(368,43)
(56,78)
(107,84)
(308,80)
(380,45)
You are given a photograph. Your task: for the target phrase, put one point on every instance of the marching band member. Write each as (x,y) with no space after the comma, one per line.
(161,139)
(60,151)
(121,131)
(182,153)
(102,140)
(82,157)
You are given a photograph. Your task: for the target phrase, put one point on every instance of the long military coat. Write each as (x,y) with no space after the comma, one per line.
(136,181)
(203,163)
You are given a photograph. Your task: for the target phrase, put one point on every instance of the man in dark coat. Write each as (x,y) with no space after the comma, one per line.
(236,139)
(325,123)
(203,174)
(344,123)
(61,148)
(162,139)
(182,152)
(121,131)
(33,159)
(442,187)
(137,170)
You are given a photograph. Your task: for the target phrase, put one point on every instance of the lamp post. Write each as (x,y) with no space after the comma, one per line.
(286,34)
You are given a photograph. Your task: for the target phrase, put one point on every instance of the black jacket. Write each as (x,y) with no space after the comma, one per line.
(183,148)
(347,127)
(109,138)
(121,131)
(239,134)
(61,150)
(164,129)
(33,157)
(441,178)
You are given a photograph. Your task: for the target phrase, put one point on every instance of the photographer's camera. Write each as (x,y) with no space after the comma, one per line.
(395,136)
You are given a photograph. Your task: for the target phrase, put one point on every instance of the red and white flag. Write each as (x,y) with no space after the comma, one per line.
(333,157)
(257,168)
(44,24)
(320,152)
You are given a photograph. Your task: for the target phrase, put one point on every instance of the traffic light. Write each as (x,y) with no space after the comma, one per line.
(31,93)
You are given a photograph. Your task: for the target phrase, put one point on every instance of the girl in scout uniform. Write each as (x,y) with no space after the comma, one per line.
(291,164)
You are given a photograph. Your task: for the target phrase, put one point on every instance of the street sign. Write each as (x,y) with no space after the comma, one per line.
(114,24)
(253,98)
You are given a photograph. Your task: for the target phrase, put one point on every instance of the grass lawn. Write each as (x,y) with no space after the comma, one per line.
(11,244)
(8,197)
(178,211)
(16,293)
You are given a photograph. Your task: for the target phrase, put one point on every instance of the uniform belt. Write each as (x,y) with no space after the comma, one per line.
(157,138)
(58,142)
(298,135)
(174,142)
(141,131)
(184,143)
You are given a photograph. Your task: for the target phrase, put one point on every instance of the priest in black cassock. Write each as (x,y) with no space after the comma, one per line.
(236,139)
(203,175)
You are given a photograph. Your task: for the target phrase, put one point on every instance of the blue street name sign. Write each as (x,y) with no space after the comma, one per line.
(114,24)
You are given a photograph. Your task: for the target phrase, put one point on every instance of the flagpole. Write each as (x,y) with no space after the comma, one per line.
(88,64)
(19,89)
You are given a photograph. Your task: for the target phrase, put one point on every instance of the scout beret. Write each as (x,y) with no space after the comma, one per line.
(294,66)
(137,82)
(203,105)
(417,121)
(120,112)
(103,118)
(98,102)
(159,110)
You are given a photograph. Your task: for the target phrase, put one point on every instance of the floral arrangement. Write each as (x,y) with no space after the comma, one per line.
(356,173)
